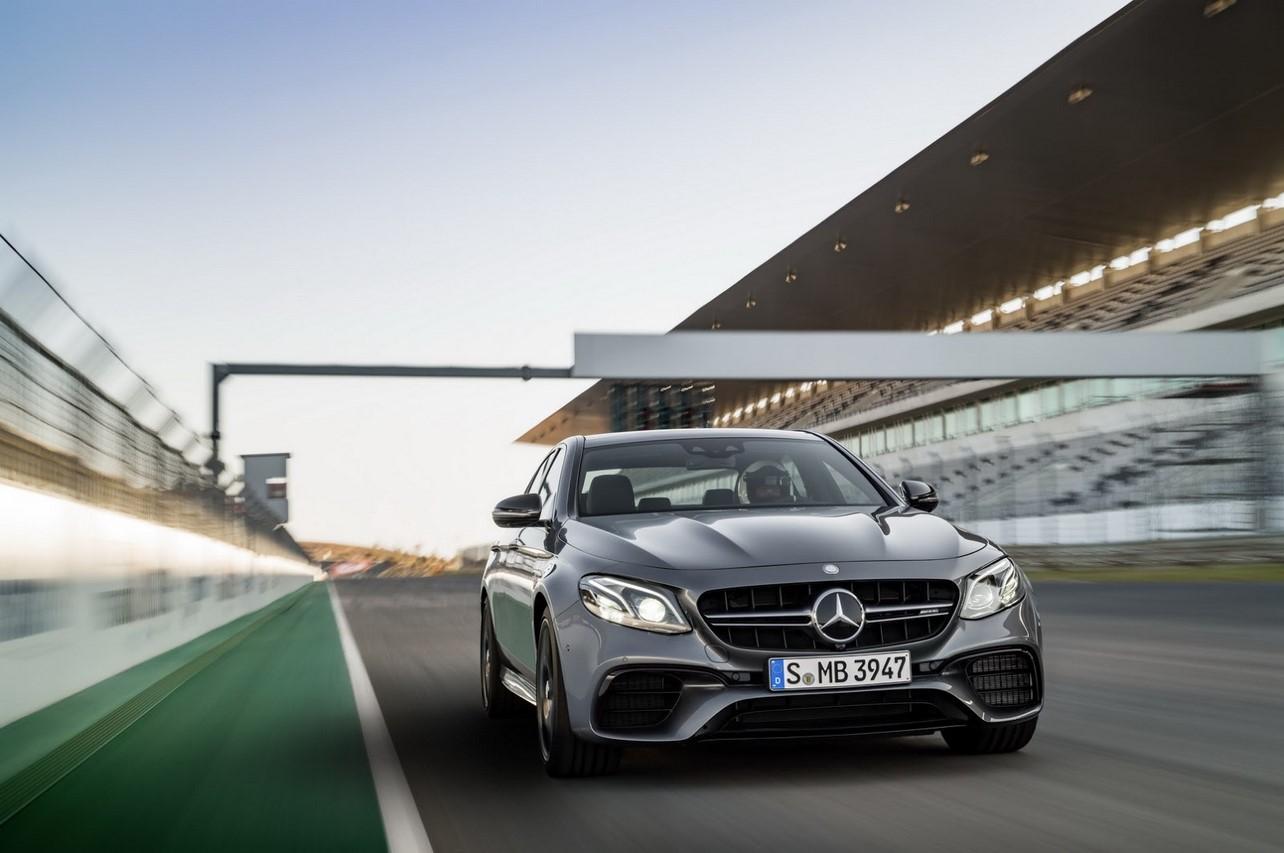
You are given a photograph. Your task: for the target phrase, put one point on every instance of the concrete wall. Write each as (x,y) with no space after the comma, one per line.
(87,592)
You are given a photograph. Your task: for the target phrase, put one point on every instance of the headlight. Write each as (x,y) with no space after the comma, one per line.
(997,586)
(634,604)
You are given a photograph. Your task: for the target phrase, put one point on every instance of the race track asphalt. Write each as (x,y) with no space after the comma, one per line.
(1163,729)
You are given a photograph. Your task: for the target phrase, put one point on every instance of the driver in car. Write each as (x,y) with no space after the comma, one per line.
(769,485)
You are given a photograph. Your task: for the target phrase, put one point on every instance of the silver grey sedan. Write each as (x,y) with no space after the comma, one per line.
(661,587)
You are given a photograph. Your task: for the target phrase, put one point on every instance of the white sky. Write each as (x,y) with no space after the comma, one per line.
(450,184)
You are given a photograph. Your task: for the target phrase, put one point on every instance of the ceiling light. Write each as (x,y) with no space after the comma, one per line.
(1012,305)
(1275,202)
(1216,7)
(980,318)
(716,324)
(1049,291)
(750,302)
(1123,262)
(840,244)
(1079,94)
(978,157)
(1185,238)
(901,206)
(775,398)
(790,276)
(1230,220)
(953,328)
(1083,277)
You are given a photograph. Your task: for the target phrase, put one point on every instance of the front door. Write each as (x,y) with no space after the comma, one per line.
(530,558)
(509,579)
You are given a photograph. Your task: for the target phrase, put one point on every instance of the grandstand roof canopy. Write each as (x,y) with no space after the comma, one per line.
(1184,123)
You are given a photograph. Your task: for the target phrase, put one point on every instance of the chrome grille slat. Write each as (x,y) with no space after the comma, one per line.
(897,612)
(905,618)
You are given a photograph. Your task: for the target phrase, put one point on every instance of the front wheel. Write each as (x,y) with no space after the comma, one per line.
(989,738)
(563,753)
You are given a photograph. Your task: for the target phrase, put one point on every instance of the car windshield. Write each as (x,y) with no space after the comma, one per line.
(720,473)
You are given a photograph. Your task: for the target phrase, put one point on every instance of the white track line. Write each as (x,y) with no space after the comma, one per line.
(401,821)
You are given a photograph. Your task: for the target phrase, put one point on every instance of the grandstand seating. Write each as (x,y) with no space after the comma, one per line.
(1216,275)
(1208,456)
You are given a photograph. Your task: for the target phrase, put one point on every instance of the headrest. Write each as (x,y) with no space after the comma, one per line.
(610,494)
(654,504)
(720,497)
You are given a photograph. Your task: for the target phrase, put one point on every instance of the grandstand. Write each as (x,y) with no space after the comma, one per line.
(1134,181)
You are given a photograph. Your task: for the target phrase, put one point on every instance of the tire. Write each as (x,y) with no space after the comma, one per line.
(497,701)
(563,754)
(990,738)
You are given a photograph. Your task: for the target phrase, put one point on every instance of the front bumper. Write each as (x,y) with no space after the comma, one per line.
(723,691)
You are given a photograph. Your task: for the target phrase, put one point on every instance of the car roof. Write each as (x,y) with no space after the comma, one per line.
(637,437)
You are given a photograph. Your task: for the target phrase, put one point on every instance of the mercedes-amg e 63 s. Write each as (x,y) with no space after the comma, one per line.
(670,586)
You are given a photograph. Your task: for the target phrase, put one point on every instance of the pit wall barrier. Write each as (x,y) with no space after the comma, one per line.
(87,592)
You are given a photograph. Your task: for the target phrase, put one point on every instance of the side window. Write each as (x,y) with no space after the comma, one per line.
(548,489)
(538,477)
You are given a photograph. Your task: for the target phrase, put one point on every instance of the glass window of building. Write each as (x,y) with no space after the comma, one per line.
(1028,408)
(1050,400)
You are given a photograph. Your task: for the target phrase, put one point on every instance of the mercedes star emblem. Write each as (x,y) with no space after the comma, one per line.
(837,615)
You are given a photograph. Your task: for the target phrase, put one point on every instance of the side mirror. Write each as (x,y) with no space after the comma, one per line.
(920,495)
(517,511)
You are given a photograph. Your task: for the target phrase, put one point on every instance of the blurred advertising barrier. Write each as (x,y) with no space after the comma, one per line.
(115,545)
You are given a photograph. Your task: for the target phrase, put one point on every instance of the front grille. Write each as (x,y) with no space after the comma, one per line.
(639,699)
(778,617)
(1003,679)
(881,712)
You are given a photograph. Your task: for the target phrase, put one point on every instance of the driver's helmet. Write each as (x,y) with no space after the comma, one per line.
(769,485)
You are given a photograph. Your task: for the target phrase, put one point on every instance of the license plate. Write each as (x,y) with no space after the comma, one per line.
(817,673)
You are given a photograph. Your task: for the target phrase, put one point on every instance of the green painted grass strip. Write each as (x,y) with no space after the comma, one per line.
(23,787)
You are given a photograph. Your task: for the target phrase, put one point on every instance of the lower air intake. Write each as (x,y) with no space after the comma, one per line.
(1003,679)
(637,700)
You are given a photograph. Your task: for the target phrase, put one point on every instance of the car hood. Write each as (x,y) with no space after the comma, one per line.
(733,539)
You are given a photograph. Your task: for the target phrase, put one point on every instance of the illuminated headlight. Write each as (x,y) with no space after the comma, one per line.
(994,588)
(631,603)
